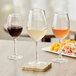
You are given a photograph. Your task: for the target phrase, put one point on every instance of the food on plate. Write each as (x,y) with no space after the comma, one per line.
(68,46)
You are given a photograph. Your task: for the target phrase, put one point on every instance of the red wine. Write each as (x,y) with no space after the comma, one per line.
(14,31)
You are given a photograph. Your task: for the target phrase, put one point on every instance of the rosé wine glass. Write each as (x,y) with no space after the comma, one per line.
(60,28)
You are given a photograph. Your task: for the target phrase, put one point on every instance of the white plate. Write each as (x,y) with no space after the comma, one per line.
(48,50)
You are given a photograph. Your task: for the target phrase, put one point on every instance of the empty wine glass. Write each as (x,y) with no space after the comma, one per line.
(14,28)
(60,28)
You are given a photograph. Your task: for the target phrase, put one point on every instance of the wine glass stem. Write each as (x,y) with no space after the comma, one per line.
(36,52)
(60,55)
(14,46)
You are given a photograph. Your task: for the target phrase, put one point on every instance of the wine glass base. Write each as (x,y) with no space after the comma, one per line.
(15,57)
(37,66)
(59,60)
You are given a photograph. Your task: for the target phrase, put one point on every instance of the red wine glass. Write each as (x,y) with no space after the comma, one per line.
(14,28)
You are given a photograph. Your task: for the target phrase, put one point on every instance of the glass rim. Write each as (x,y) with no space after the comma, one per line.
(33,9)
(61,12)
(14,14)
(38,9)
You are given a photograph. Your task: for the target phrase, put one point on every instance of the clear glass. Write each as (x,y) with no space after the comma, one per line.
(14,28)
(60,28)
(36,28)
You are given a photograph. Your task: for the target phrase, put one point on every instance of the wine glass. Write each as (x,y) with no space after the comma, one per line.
(60,28)
(14,28)
(36,28)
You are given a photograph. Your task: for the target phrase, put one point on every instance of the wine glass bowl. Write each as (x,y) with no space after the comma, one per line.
(60,28)
(14,28)
(59,32)
(36,34)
